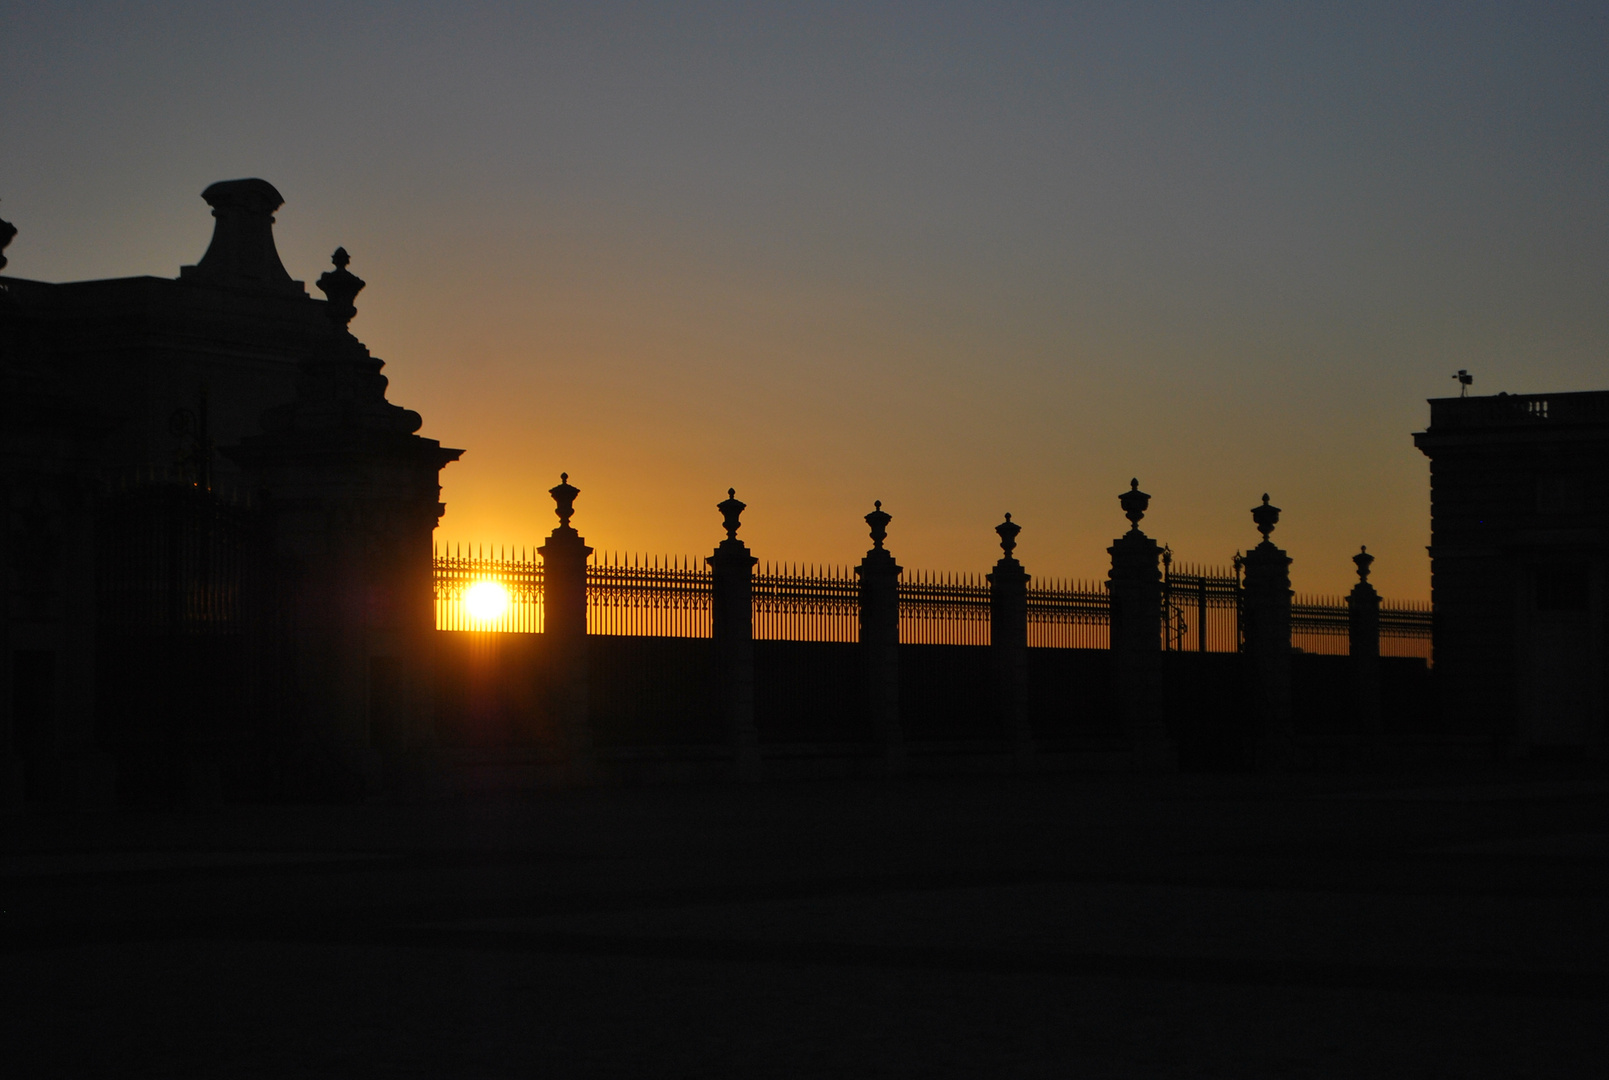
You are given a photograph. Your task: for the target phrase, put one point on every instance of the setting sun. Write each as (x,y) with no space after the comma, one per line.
(486,601)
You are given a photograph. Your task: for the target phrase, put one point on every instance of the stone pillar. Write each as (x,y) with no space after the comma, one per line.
(1363,632)
(1135,585)
(564,629)
(1008,645)
(1268,645)
(353,497)
(879,640)
(732,619)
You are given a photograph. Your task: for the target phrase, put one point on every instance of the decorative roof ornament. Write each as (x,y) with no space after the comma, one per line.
(8,233)
(564,495)
(1008,531)
(1266,517)
(1363,560)
(340,287)
(879,523)
(1134,503)
(730,509)
(242,254)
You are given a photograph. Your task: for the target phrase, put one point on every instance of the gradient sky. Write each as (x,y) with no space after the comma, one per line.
(964,258)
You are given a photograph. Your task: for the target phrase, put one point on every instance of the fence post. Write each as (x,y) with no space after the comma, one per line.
(732,626)
(1268,644)
(1363,633)
(1135,587)
(879,640)
(1008,644)
(564,628)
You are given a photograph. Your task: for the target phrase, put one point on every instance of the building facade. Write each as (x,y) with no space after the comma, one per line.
(1519,490)
(216,530)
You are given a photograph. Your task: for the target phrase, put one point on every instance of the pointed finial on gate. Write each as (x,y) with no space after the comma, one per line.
(1266,517)
(1008,531)
(8,233)
(730,509)
(879,523)
(1363,561)
(564,495)
(1134,503)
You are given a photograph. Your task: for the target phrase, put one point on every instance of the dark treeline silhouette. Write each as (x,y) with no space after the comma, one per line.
(221,586)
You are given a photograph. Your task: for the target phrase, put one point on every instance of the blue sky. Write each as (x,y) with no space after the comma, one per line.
(962,258)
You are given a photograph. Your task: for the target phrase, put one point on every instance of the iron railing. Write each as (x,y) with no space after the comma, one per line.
(943,609)
(1069,614)
(799,603)
(641,596)
(1200,608)
(637,595)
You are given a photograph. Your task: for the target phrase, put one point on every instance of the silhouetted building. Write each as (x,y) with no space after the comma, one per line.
(216,528)
(1519,491)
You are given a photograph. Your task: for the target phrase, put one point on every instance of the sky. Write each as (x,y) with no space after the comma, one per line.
(962,258)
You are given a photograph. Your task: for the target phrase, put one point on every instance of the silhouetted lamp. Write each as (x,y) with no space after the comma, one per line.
(1008,531)
(1363,560)
(1266,517)
(731,509)
(1465,379)
(879,523)
(564,495)
(340,286)
(1134,503)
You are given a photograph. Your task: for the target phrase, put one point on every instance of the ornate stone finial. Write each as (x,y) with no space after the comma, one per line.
(1008,531)
(1266,517)
(8,232)
(879,523)
(1363,560)
(730,508)
(340,287)
(564,495)
(1134,503)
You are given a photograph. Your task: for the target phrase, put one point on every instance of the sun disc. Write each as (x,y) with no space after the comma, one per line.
(486,601)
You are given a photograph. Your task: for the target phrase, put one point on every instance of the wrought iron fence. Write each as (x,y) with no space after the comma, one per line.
(637,595)
(798,603)
(1405,630)
(1320,624)
(1069,614)
(943,609)
(648,597)
(1200,608)
(510,582)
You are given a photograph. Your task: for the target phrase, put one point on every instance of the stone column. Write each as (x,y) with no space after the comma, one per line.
(879,640)
(1363,632)
(564,629)
(1008,645)
(732,624)
(1268,645)
(1135,584)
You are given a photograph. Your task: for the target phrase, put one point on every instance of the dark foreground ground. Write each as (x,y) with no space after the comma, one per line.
(1448,925)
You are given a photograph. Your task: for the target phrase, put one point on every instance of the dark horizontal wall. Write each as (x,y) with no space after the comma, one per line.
(647,691)
(493,690)
(1070,695)
(946,692)
(809,691)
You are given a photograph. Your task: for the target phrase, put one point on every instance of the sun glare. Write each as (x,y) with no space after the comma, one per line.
(486,601)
